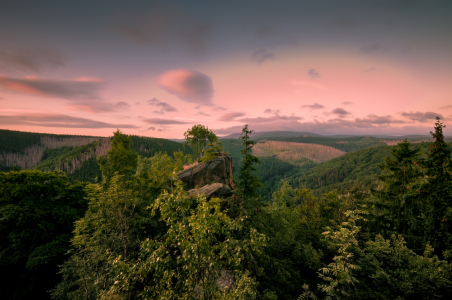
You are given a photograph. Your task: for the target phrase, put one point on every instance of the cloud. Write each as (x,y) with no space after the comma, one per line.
(313,74)
(78,89)
(158,121)
(163,106)
(151,128)
(421,117)
(1,98)
(187,85)
(230,116)
(370,124)
(203,114)
(57,120)
(369,49)
(265,31)
(81,93)
(262,55)
(347,103)
(167,27)
(313,106)
(137,103)
(122,105)
(269,111)
(275,117)
(218,108)
(445,107)
(30,60)
(340,112)
(377,120)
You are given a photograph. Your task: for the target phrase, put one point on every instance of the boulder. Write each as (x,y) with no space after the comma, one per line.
(213,190)
(217,170)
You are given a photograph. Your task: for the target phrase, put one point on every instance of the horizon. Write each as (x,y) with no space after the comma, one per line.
(382,67)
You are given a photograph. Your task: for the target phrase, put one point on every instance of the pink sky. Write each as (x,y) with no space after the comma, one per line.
(380,82)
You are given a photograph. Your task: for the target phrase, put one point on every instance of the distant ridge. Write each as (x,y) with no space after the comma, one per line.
(261,135)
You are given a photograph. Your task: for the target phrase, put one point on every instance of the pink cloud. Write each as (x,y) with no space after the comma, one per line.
(187,85)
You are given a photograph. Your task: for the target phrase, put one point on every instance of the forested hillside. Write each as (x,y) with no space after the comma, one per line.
(369,224)
(74,155)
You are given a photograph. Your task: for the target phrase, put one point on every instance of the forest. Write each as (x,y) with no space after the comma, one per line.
(107,218)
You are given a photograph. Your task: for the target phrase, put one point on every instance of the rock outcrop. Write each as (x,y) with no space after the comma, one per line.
(217,170)
(213,190)
(212,178)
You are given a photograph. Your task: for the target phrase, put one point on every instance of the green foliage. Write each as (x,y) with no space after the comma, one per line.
(215,149)
(116,222)
(18,141)
(200,255)
(434,207)
(121,160)
(394,201)
(198,137)
(247,180)
(339,275)
(37,211)
(390,270)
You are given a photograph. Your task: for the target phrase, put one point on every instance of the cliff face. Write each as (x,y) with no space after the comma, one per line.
(212,178)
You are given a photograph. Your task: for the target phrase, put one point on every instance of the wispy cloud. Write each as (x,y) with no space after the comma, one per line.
(262,55)
(420,116)
(30,60)
(269,111)
(162,106)
(57,120)
(77,89)
(347,103)
(313,106)
(313,74)
(230,116)
(371,123)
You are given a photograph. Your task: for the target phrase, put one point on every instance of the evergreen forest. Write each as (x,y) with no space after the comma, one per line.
(310,217)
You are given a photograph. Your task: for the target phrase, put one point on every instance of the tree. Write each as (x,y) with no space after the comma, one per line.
(247,180)
(116,222)
(395,201)
(435,194)
(198,137)
(199,257)
(121,159)
(37,215)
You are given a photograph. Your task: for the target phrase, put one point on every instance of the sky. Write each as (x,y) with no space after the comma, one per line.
(156,68)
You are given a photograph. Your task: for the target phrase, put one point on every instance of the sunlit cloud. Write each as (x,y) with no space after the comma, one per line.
(420,116)
(187,85)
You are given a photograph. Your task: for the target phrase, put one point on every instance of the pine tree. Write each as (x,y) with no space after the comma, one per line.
(247,180)
(436,193)
(399,173)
